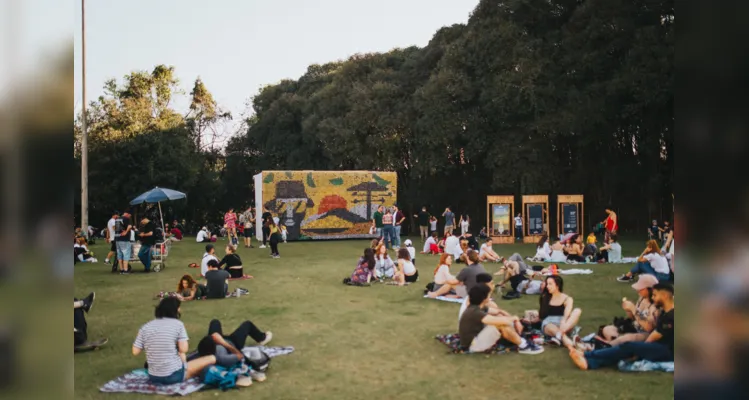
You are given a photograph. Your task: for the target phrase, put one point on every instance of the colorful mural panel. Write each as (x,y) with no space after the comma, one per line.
(326,204)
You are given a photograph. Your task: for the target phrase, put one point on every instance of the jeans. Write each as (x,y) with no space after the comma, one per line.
(519,231)
(644,267)
(124,248)
(145,256)
(611,356)
(176,377)
(397,236)
(239,336)
(378,231)
(388,232)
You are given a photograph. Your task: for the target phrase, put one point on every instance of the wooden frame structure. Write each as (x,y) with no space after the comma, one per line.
(567,222)
(533,201)
(502,234)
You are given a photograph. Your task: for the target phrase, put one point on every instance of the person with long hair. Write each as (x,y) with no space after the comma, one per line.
(189,289)
(611,223)
(274,238)
(556,313)
(652,262)
(406,270)
(575,249)
(233,262)
(445,283)
(487,253)
(543,249)
(557,252)
(165,342)
(364,271)
(230,222)
(385,267)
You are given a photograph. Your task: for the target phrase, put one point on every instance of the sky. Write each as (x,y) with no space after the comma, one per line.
(238,46)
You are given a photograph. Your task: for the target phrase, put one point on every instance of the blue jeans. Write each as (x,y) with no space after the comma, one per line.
(645,351)
(378,231)
(388,232)
(519,231)
(177,376)
(644,267)
(397,237)
(145,256)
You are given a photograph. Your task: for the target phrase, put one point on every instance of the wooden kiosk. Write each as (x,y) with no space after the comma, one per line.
(570,212)
(535,217)
(499,212)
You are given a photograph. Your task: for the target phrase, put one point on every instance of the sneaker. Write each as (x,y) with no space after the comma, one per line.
(88,302)
(555,340)
(624,278)
(268,338)
(262,246)
(257,375)
(106,261)
(531,348)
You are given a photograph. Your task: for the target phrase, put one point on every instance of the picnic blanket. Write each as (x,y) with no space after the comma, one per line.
(646,366)
(443,298)
(242,292)
(501,347)
(137,380)
(573,272)
(624,260)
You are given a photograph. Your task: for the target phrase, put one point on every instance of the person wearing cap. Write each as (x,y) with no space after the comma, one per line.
(210,254)
(122,239)
(203,235)
(643,314)
(411,250)
(658,347)
(147,240)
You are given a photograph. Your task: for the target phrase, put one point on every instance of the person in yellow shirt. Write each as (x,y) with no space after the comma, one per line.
(592,238)
(275,237)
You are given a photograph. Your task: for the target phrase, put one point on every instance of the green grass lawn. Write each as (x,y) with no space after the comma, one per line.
(351,342)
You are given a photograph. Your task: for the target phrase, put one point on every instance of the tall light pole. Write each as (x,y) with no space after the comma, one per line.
(84,134)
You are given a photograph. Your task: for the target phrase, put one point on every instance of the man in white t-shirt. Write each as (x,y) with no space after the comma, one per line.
(210,254)
(203,236)
(486,253)
(518,227)
(110,236)
(452,246)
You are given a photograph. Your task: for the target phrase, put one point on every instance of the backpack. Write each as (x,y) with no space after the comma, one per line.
(220,377)
(257,359)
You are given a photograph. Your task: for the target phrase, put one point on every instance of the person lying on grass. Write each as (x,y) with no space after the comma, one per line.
(233,263)
(189,289)
(487,253)
(80,327)
(445,284)
(556,312)
(406,270)
(658,347)
(364,272)
(165,342)
(228,348)
(480,331)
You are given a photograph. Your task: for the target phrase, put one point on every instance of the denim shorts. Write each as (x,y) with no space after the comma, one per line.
(124,250)
(177,376)
(552,319)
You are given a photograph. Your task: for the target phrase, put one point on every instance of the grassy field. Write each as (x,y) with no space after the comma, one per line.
(353,343)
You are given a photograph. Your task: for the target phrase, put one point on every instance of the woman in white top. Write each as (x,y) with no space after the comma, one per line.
(384,265)
(652,262)
(543,250)
(445,283)
(557,253)
(406,270)
(465,223)
(486,253)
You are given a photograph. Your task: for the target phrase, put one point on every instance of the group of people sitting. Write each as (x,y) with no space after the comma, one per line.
(570,248)
(458,245)
(375,265)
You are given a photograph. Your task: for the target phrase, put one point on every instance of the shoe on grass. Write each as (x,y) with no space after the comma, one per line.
(624,278)
(268,338)
(531,348)
(88,302)
(257,376)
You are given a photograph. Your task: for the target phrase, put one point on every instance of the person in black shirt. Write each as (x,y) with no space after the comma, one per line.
(217,281)
(659,346)
(267,219)
(233,263)
(147,240)
(654,232)
(122,230)
(423,217)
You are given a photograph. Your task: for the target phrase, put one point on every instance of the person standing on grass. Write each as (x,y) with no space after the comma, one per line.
(611,223)
(449,221)
(122,238)
(274,238)
(267,219)
(658,347)
(246,220)
(433,224)
(480,331)
(465,224)
(398,218)
(110,236)
(377,221)
(423,218)
(147,241)
(388,230)
(165,343)
(518,227)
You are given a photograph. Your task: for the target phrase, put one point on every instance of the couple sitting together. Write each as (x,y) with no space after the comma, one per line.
(232,261)
(216,284)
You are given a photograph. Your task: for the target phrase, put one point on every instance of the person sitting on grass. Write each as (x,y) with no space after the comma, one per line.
(210,254)
(556,312)
(441,244)
(430,246)
(480,331)
(233,263)
(217,281)
(364,271)
(658,347)
(228,349)
(487,252)
(189,289)
(575,249)
(406,270)
(80,327)
(543,249)
(610,252)
(465,280)
(485,279)
(385,267)
(165,342)
(445,283)
(411,251)
(643,314)
(557,253)
(652,262)
(81,252)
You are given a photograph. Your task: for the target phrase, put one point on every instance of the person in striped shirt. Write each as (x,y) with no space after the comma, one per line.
(164,340)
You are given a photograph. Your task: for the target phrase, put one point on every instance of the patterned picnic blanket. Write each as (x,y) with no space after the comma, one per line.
(646,366)
(242,292)
(501,347)
(137,380)
(448,299)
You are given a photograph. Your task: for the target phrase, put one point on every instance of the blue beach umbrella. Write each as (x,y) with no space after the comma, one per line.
(157,195)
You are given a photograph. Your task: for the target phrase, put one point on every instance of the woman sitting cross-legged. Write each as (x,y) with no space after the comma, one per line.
(228,349)
(165,342)
(543,249)
(575,249)
(445,283)
(652,262)
(407,271)
(643,314)
(480,331)
(189,289)
(364,272)
(557,253)
(556,312)
(385,266)
(233,263)
(611,251)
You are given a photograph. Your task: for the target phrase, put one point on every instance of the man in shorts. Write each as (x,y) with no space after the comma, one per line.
(123,226)
(449,221)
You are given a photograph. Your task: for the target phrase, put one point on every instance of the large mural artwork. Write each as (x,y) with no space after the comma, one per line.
(325,204)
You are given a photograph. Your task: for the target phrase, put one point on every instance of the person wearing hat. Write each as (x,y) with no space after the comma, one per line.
(122,239)
(411,251)
(147,240)
(203,235)
(643,313)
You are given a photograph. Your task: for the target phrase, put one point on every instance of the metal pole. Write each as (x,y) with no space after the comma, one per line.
(84,135)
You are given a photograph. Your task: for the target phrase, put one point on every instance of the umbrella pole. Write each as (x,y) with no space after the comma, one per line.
(161,216)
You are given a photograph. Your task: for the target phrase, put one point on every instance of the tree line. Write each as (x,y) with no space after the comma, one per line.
(528,97)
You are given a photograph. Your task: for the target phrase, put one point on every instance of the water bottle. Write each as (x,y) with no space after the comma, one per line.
(237,293)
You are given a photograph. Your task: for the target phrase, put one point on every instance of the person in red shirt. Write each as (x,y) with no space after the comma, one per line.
(611,223)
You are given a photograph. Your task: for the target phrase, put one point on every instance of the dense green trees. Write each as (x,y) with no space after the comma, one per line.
(530,96)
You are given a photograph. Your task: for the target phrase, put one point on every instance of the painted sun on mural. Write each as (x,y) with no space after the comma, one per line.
(326,204)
